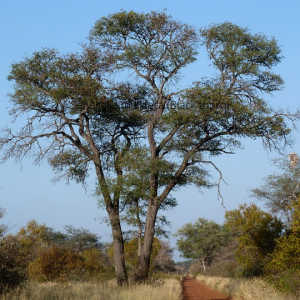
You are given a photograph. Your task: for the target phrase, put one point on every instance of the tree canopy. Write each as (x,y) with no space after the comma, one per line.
(201,240)
(279,191)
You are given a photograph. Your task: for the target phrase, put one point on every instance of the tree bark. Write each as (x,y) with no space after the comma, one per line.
(118,245)
(146,249)
(112,208)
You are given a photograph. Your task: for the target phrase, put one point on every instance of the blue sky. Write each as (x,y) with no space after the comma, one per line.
(28,26)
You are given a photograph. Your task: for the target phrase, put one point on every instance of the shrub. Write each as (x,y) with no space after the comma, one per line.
(96,266)
(59,264)
(54,263)
(286,280)
(12,266)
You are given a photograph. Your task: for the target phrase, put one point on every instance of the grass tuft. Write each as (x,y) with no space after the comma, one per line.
(246,289)
(169,290)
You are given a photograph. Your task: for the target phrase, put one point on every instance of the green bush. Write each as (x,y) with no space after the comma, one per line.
(287,281)
(12,266)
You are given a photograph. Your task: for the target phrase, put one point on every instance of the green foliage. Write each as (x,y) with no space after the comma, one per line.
(81,239)
(95,265)
(201,240)
(286,280)
(251,56)
(131,253)
(281,193)
(256,232)
(180,41)
(12,266)
(34,234)
(286,256)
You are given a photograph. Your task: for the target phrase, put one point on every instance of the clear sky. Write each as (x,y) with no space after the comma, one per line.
(28,26)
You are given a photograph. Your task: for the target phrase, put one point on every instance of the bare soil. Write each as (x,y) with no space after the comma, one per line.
(195,290)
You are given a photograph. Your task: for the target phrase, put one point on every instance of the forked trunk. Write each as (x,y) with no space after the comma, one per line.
(146,249)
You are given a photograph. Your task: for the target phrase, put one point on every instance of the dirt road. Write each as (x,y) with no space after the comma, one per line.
(195,290)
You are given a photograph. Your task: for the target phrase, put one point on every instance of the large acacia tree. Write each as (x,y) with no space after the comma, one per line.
(80,110)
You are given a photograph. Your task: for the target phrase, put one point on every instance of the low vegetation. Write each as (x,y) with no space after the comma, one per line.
(169,289)
(38,253)
(246,289)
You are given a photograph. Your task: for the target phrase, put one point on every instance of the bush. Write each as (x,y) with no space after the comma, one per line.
(59,264)
(54,263)
(12,266)
(287,281)
(96,265)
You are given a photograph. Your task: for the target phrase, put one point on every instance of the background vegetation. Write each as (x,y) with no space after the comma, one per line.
(253,243)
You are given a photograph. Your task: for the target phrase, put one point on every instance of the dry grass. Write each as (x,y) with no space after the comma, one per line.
(245,289)
(169,290)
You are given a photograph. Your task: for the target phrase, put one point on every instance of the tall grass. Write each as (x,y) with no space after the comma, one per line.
(246,289)
(170,289)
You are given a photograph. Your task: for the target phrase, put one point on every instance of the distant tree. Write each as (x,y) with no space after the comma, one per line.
(183,266)
(201,240)
(81,239)
(256,232)
(163,261)
(34,236)
(280,190)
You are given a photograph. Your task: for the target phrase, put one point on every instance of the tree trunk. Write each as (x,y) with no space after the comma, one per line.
(145,254)
(118,245)
(140,228)
(203,264)
(112,208)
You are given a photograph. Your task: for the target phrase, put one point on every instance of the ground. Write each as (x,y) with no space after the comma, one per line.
(195,290)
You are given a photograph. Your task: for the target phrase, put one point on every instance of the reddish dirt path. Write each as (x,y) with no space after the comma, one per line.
(195,290)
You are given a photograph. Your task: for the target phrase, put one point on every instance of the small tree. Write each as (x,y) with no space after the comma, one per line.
(201,240)
(163,261)
(81,239)
(13,267)
(287,254)
(256,232)
(279,191)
